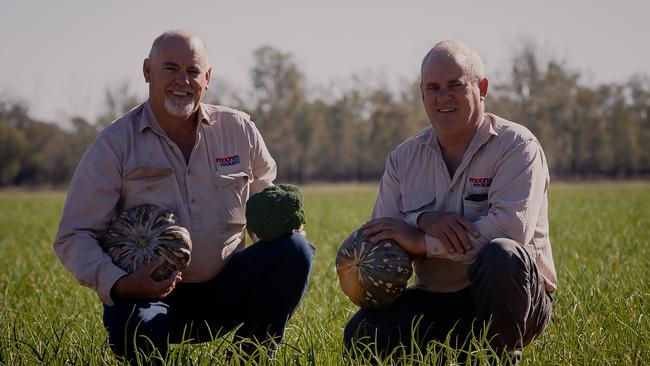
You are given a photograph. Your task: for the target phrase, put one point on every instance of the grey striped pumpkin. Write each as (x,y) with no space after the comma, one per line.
(143,233)
(372,275)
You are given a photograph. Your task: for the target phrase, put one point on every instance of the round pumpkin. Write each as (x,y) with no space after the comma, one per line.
(143,233)
(372,275)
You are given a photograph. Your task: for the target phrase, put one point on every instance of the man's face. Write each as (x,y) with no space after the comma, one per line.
(178,77)
(453,99)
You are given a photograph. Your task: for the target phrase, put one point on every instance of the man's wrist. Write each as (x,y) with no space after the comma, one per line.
(419,223)
(412,219)
(116,289)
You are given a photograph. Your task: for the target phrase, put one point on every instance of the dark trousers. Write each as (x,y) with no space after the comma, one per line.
(505,289)
(258,290)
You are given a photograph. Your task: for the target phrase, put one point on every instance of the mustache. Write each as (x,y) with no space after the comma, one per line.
(187,90)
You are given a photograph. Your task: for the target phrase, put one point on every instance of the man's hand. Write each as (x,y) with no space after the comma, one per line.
(407,236)
(140,284)
(450,228)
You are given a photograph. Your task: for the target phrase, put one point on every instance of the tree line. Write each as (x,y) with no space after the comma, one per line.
(587,130)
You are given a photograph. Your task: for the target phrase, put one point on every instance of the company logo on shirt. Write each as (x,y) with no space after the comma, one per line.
(227,161)
(480,182)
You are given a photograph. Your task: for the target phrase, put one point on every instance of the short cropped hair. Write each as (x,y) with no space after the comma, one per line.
(470,59)
(179,34)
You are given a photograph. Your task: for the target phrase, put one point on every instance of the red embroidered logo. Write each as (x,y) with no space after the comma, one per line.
(228,160)
(480,182)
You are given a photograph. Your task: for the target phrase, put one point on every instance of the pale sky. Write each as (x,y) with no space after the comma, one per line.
(60,56)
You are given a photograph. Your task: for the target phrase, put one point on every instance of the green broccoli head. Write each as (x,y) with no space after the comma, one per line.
(274,211)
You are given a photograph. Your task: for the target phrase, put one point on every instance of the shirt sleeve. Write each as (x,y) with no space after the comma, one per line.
(516,195)
(92,197)
(389,199)
(264,167)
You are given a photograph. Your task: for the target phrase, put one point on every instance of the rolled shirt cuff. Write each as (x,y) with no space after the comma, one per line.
(434,246)
(412,219)
(110,276)
(436,249)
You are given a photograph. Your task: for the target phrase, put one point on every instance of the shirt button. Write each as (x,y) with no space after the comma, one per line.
(451,190)
(192,200)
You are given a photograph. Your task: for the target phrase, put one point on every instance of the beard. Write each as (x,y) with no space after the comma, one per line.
(179,108)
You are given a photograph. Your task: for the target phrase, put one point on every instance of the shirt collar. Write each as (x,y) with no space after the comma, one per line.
(148,119)
(484,132)
(482,135)
(203,115)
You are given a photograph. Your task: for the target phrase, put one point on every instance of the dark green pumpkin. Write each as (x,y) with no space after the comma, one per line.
(143,233)
(372,275)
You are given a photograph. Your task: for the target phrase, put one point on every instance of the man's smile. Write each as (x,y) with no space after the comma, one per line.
(446,110)
(181,93)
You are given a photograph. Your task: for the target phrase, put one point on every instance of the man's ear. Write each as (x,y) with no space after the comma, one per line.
(421,91)
(146,69)
(208,77)
(483,87)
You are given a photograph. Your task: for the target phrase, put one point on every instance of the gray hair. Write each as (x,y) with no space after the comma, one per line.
(182,34)
(461,53)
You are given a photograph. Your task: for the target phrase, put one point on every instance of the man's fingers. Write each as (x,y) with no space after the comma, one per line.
(461,234)
(382,235)
(370,232)
(445,243)
(164,287)
(374,227)
(151,266)
(447,240)
(372,223)
(454,241)
(468,226)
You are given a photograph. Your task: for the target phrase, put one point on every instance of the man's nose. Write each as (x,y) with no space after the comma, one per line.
(443,94)
(182,77)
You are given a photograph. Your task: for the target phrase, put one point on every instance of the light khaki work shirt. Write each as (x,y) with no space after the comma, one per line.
(132,162)
(501,186)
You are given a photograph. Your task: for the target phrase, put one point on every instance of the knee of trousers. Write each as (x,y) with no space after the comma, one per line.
(363,334)
(296,250)
(501,257)
(129,325)
(355,331)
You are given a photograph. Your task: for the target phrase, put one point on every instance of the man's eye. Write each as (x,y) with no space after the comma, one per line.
(456,86)
(433,88)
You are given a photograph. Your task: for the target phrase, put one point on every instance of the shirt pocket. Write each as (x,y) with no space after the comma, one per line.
(232,192)
(475,206)
(150,185)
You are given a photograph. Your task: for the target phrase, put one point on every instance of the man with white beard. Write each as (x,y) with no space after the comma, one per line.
(202,162)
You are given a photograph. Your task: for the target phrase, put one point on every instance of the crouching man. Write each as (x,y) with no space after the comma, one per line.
(468,197)
(202,162)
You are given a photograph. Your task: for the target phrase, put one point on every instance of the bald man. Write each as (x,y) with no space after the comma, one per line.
(467,197)
(202,162)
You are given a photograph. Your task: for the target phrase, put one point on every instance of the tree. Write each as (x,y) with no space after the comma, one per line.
(280,110)
(13,145)
(119,100)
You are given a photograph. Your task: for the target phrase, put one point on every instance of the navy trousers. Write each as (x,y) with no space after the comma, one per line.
(506,290)
(258,290)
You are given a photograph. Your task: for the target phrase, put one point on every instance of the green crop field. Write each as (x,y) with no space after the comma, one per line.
(601,243)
